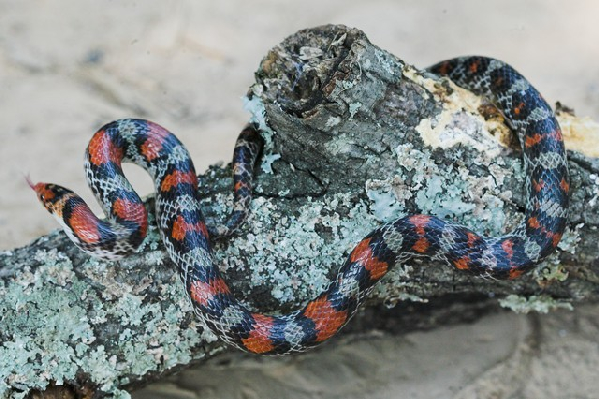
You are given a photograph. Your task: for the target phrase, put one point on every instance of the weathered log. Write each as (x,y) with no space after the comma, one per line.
(354,137)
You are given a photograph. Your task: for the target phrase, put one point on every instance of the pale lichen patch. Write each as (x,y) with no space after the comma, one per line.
(388,203)
(255,106)
(353,108)
(398,281)
(570,239)
(550,270)
(540,303)
(594,179)
(453,127)
(389,64)
(450,192)
(293,256)
(295,240)
(419,78)
(333,121)
(52,298)
(267,161)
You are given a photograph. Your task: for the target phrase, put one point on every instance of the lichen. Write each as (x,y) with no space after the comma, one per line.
(449,192)
(540,303)
(570,239)
(594,179)
(390,64)
(353,108)
(332,121)
(386,206)
(255,106)
(467,196)
(267,161)
(551,270)
(53,299)
(277,239)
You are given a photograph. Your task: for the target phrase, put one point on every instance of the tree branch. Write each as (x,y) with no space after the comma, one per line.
(354,137)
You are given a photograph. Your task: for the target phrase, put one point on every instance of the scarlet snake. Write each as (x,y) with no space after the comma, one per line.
(187,238)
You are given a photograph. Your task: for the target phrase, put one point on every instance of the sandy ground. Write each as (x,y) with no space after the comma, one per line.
(67,67)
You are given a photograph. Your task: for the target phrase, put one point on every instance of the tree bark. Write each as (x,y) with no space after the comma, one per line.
(354,137)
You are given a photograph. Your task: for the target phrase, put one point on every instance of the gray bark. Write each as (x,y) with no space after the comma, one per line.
(354,137)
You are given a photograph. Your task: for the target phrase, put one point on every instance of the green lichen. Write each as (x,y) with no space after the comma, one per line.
(153,239)
(353,109)
(570,239)
(345,85)
(595,179)
(397,283)
(277,238)
(385,205)
(540,303)
(53,299)
(332,121)
(255,106)
(267,161)
(389,63)
(447,191)
(35,305)
(551,270)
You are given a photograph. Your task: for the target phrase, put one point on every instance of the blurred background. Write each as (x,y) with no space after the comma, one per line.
(67,67)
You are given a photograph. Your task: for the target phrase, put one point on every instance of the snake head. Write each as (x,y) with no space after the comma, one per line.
(50,195)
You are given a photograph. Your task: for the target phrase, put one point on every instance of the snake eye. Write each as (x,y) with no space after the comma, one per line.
(42,197)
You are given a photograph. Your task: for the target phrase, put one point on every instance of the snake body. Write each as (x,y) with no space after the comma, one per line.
(187,238)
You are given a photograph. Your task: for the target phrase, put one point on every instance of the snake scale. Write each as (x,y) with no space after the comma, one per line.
(187,239)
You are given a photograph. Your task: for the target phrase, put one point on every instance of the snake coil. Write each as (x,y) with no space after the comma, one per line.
(187,239)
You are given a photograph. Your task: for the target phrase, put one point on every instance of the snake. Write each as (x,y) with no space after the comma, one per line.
(187,238)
